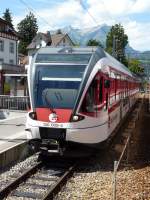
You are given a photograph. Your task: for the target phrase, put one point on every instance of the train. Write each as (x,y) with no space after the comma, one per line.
(78,96)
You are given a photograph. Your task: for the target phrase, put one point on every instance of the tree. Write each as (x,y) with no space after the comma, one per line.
(135,66)
(116,42)
(7,16)
(27,30)
(92,42)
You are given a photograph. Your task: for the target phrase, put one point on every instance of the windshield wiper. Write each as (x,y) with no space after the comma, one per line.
(45,93)
(58,96)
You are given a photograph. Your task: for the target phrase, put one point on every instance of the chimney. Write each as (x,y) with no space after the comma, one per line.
(48,33)
(49,39)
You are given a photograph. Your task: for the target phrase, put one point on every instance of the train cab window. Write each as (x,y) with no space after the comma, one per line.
(57,86)
(90,99)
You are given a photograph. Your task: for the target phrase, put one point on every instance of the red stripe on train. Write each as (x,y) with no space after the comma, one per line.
(114,107)
(63,114)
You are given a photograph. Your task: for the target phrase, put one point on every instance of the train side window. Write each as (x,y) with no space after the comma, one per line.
(107,83)
(106,101)
(115,88)
(101,90)
(91,97)
(90,100)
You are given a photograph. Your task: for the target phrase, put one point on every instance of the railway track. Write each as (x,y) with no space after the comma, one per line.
(44,181)
(98,183)
(39,182)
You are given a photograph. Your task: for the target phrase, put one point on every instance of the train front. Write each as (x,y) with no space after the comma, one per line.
(54,80)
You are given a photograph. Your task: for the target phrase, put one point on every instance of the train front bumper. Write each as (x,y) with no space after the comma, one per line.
(79,132)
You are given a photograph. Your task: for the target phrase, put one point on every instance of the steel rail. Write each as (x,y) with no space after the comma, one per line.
(13,185)
(62,181)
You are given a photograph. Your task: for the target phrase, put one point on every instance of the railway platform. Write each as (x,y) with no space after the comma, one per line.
(12,126)
(13,141)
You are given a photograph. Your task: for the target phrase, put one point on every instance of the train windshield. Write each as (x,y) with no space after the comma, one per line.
(56,86)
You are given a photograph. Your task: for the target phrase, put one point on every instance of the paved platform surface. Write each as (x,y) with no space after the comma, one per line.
(12,129)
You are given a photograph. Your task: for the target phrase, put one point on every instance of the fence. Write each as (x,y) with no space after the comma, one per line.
(125,151)
(14,102)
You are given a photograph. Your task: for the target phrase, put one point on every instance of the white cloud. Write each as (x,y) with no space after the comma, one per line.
(116,7)
(138,33)
(141,6)
(70,12)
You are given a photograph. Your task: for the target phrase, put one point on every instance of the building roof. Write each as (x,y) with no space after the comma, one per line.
(46,37)
(5,22)
(7,28)
(52,40)
(57,38)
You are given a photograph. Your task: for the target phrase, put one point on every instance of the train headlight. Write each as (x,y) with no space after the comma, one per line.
(33,115)
(75,118)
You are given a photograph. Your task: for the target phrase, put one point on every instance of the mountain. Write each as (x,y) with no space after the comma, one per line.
(82,36)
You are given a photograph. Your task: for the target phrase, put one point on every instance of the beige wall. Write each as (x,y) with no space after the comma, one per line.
(6,55)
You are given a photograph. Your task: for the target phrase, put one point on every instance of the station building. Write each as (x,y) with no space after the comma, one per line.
(9,67)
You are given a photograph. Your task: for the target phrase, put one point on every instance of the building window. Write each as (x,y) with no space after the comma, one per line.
(1,45)
(1,60)
(11,62)
(11,47)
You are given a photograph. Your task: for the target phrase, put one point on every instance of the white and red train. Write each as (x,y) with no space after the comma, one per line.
(78,96)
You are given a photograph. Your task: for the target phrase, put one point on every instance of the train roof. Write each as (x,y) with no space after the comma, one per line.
(80,55)
(86,55)
(118,65)
(63,50)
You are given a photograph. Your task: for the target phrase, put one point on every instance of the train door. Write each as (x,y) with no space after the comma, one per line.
(121,104)
(106,90)
(121,96)
(89,105)
(96,99)
(104,97)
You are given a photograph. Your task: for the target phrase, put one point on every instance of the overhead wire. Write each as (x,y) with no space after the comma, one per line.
(45,21)
(89,13)
(85,8)
(34,11)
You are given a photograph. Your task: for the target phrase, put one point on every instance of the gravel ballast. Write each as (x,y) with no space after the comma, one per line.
(15,171)
(133,177)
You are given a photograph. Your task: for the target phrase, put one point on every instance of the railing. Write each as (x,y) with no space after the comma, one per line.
(14,102)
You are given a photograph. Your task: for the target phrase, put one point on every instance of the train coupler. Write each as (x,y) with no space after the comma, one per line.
(51,146)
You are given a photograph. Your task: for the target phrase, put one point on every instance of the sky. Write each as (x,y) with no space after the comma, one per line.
(134,15)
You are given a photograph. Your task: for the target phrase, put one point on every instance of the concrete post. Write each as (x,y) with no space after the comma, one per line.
(114,180)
